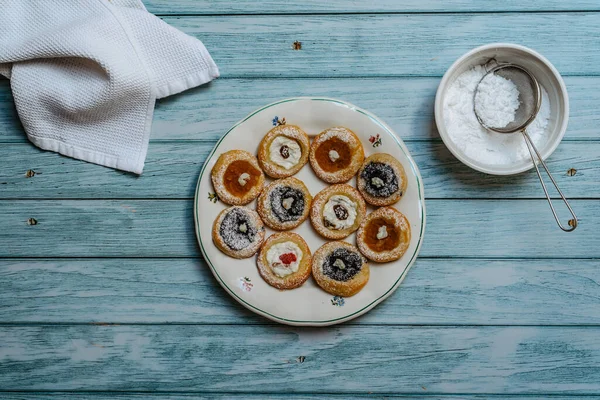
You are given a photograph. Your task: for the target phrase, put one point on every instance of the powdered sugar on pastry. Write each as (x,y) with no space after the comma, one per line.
(284,258)
(337,131)
(284,204)
(384,235)
(336,154)
(339,212)
(284,261)
(285,152)
(238,232)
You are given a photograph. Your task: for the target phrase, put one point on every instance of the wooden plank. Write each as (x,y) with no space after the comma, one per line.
(102,228)
(384,45)
(10,126)
(207,7)
(436,292)
(265,359)
(266,396)
(164,228)
(172,170)
(387,45)
(206,113)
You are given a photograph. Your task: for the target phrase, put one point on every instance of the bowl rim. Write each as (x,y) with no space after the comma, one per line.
(439,106)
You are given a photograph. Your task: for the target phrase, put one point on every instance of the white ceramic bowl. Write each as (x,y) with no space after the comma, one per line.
(547,76)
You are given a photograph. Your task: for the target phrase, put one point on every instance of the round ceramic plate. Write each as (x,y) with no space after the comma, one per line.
(308,304)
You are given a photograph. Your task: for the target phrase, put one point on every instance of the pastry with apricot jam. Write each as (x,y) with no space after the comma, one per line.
(283,151)
(384,235)
(382,180)
(337,211)
(284,261)
(336,154)
(237,177)
(284,204)
(340,269)
(238,232)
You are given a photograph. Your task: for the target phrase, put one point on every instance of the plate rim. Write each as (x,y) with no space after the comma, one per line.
(372,304)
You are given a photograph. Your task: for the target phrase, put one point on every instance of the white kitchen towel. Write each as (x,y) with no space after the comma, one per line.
(85,74)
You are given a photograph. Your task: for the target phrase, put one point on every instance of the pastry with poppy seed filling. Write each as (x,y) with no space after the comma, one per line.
(337,211)
(237,177)
(340,269)
(384,235)
(381,180)
(283,151)
(284,260)
(238,232)
(284,204)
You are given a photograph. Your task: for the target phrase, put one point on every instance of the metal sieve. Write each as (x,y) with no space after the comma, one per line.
(530,100)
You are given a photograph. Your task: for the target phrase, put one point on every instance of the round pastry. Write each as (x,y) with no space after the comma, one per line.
(284,204)
(237,177)
(337,211)
(336,154)
(384,235)
(238,232)
(284,260)
(283,151)
(381,180)
(340,269)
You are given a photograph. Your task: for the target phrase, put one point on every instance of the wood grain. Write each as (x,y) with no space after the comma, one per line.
(387,45)
(436,292)
(172,170)
(455,328)
(406,104)
(154,228)
(259,359)
(266,396)
(207,7)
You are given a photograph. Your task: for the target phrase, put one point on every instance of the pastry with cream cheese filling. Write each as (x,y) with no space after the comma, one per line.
(284,260)
(238,232)
(381,180)
(237,177)
(340,269)
(337,211)
(283,151)
(284,204)
(384,235)
(336,154)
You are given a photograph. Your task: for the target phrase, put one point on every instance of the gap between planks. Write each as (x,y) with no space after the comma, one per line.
(268,323)
(297,394)
(350,13)
(177,395)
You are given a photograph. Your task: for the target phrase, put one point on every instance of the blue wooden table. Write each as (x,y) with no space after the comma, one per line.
(104,293)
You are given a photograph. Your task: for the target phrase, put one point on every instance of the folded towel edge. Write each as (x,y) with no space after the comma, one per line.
(189,81)
(107,160)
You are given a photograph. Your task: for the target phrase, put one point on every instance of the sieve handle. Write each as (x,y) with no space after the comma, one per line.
(530,146)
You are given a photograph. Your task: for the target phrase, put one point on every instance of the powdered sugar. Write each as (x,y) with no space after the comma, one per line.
(496,101)
(337,131)
(238,228)
(478,143)
(281,195)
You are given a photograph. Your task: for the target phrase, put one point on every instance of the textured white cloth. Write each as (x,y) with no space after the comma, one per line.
(85,74)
